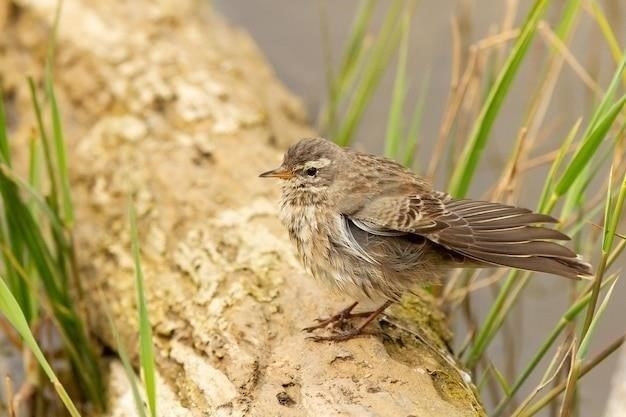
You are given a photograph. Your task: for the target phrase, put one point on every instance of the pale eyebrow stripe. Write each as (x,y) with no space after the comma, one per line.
(318,163)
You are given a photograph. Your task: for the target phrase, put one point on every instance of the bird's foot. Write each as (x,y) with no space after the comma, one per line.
(342,320)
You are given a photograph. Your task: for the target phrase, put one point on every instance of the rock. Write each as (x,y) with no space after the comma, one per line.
(166,102)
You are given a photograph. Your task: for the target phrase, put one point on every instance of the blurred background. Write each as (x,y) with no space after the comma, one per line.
(301,38)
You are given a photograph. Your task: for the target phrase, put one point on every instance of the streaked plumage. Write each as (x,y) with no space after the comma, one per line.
(368,226)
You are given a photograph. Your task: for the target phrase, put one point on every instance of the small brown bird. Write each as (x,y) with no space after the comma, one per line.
(370,227)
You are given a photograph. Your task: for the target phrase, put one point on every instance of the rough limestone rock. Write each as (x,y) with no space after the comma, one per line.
(165,101)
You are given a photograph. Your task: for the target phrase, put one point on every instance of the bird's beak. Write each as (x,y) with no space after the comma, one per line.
(280,172)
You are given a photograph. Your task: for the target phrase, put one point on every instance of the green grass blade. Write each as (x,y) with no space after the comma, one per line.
(590,144)
(613,213)
(412,136)
(8,233)
(566,23)
(5,152)
(12,237)
(583,221)
(12,249)
(615,253)
(585,342)
(382,51)
(355,44)
(60,152)
(395,122)
(34,165)
(546,194)
(607,31)
(47,152)
(346,75)
(145,329)
(605,103)
(327,114)
(464,172)
(504,385)
(13,313)
(574,199)
(35,196)
(613,216)
(128,369)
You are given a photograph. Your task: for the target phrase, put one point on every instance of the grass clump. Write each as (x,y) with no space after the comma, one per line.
(38,265)
(38,276)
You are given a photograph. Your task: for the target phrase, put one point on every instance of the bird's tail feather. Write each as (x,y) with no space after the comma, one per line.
(501,235)
(569,267)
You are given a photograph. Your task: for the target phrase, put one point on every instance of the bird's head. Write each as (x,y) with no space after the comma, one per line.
(309,166)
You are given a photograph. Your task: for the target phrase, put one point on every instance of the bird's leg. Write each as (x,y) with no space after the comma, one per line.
(336,320)
(344,315)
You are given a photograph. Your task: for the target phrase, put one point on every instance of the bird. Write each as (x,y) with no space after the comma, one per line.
(372,229)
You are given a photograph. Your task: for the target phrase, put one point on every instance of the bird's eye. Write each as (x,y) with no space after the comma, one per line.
(311,172)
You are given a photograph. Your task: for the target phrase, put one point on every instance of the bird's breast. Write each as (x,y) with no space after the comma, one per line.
(306,229)
(311,228)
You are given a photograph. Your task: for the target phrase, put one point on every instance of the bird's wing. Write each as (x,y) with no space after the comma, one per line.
(493,233)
